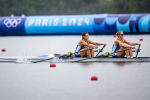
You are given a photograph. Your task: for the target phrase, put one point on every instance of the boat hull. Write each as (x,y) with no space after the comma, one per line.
(74,59)
(109,59)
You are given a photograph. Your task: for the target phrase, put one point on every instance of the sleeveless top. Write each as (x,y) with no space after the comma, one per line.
(116,47)
(78,48)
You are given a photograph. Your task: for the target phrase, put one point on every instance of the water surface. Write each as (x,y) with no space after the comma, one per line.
(71,81)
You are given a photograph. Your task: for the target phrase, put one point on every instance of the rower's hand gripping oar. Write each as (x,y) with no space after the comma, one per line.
(102,55)
(68,54)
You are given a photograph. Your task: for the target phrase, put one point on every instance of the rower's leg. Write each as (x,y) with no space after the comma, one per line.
(130,53)
(92,52)
(121,54)
(88,53)
(127,52)
(85,53)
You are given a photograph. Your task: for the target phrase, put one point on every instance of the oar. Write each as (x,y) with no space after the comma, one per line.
(68,54)
(100,50)
(102,55)
(138,51)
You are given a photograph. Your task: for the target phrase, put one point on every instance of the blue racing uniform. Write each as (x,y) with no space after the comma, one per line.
(78,48)
(115,48)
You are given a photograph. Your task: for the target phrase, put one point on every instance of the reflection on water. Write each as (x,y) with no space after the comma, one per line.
(86,63)
(118,64)
(122,64)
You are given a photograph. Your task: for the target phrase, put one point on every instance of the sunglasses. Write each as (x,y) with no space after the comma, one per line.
(122,34)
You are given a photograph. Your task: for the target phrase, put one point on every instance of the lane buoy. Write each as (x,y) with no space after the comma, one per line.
(3,50)
(94,78)
(114,36)
(141,39)
(52,65)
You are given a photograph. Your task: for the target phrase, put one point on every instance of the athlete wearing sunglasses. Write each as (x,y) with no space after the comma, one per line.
(119,45)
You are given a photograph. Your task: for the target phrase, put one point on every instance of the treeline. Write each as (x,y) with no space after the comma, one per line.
(72,7)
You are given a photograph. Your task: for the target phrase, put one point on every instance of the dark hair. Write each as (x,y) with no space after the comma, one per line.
(84,33)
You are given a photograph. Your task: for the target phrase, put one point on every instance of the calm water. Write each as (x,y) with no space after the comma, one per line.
(71,81)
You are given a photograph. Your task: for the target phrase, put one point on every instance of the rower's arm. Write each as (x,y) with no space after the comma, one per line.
(81,43)
(96,43)
(130,43)
(122,45)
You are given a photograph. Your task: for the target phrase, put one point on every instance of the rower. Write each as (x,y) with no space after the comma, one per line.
(119,45)
(84,44)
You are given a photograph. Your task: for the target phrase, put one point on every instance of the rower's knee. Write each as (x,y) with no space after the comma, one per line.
(88,53)
(91,50)
(82,54)
(125,48)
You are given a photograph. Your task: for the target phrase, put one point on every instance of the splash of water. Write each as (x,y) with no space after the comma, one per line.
(22,58)
(56,59)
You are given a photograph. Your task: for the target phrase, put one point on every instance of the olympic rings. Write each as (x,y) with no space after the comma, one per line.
(12,22)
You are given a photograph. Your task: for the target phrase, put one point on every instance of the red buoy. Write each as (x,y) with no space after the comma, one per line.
(114,36)
(3,50)
(141,39)
(94,78)
(52,65)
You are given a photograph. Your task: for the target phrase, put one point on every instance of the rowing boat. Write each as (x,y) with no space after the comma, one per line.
(72,59)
